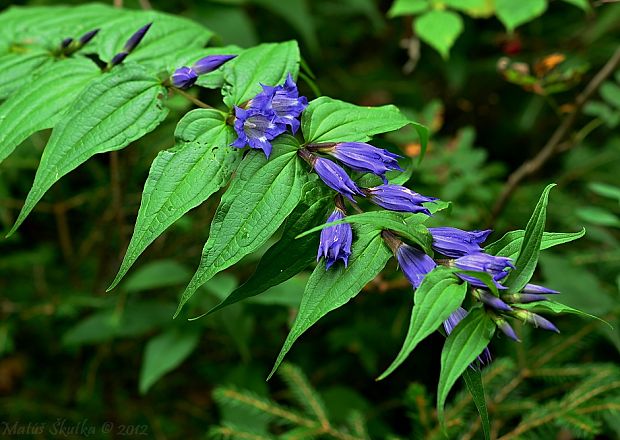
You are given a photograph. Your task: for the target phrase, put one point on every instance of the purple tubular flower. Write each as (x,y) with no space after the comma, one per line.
(284,101)
(135,39)
(492,301)
(524,298)
(184,77)
(506,328)
(533,288)
(84,39)
(335,241)
(534,319)
(453,242)
(398,198)
(364,157)
(452,321)
(256,128)
(118,58)
(414,263)
(210,63)
(336,178)
(481,262)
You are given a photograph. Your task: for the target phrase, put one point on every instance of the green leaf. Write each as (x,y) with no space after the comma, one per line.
(511,242)
(164,353)
(260,197)
(331,120)
(610,92)
(40,103)
(267,64)
(473,8)
(559,308)
(112,112)
(473,380)
(582,4)
(329,289)
(440,294)
(514,13)
(17,68)
(526,262)
(407,7)
(462,346)
(289,255)
(439,29)
(598,216)
(182,178)
(406,225)
(157,274)
(605,190)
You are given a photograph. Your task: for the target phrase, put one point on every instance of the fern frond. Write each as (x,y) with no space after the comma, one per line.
(232,432)
(303,392)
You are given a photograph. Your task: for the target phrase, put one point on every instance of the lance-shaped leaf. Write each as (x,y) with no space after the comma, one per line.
(267,64)
(112,112)
(289,255)
(261,196)
(559,308)
(462,347)
(329,289)
(18,68)
(510,243)
(40,103)
(440,294)
(473,380)
(182,178)
(526,262)
(331,120)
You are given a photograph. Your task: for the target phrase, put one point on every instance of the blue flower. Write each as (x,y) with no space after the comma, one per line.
(506,328)
(491,300)
(184,77)
(284,101)
(84,39)
(452,321)
(533,288)
(363,157)
(256,128)
(453,242)
(481,262)
(333,175)
(414,263)
(534,319)
(135,39)
(210,63)
(398,198)
(336,240)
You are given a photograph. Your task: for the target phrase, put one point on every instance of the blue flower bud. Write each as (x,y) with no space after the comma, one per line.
(84,39)
(66,43)
(414,263)
(398,198)
(256,128)
(506,328)
(534,319)
(135,39)
(491,300)
(453,242)
(210,63)
(480,262)
(524,298)
(332,175)
(184,77)
(284,101)
(533,288)
(336,240)
(118,58)
(363,157)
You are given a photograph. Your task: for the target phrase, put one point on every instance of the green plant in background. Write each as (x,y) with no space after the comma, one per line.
(270,203)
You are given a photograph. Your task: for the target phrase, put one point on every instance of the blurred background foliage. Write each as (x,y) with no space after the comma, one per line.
(493,99)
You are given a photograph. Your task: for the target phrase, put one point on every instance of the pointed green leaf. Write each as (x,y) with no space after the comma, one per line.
(329,289)
(182,178)
(261,196)
(473,380)
(288,256)
(40,103)
(515,13)
(559,308)
(440,294)
(407,7)
(526,262)
(331,120)
(267,64)
(509,244)
(462,347)
(112,112)
(17,68)
(439,29)
(164,353)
